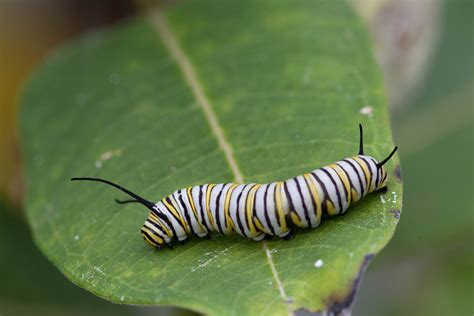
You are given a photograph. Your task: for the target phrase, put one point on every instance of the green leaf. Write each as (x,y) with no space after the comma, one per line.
(207,91)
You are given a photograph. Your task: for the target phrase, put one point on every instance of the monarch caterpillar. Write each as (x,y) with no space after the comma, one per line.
(255,210)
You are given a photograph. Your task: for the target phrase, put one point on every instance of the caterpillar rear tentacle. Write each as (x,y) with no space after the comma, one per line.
(259,211)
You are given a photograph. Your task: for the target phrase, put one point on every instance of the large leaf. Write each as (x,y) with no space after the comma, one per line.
(207,91)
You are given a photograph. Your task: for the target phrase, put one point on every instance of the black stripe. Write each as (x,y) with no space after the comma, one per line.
(162,216)
(191,201)
(339,201)
(177,210)
(358,176)
(254,210)
(149,239)
(315,205)
(366,180)
(306,213)
(324,206)
(368,167)
(351,185)
(223,211)
(265,211)
(187,215)
(157,226)
(276,209)
(174,216)
(165,218)
(290,200)
(378,172)
(239,221)
(217,216)
(247,219)
(210,209)
(343,185)
(203,212)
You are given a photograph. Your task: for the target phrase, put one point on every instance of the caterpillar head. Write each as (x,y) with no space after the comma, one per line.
(155,230)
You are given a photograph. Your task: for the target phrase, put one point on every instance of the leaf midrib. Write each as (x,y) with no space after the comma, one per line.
(165,34)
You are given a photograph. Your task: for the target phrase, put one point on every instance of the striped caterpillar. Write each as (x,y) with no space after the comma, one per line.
(257,211)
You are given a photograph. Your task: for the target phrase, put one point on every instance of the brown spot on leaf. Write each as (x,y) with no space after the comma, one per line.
(305,312)
(398,173)
(338,305)
(395,213)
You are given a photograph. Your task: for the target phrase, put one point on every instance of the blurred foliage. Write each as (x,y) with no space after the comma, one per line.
(29,29)
(431,255)
(32,285)
(438,170)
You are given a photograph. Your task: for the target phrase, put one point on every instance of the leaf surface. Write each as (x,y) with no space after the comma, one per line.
(207,91)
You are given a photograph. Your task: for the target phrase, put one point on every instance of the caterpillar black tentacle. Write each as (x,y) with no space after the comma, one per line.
(259,211)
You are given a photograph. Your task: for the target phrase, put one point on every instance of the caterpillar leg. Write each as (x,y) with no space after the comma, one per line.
(202,235)
(259,237)
(382,190)
(268,237)
(288,236)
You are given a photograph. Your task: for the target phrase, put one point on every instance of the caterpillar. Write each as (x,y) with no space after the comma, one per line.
(257,211)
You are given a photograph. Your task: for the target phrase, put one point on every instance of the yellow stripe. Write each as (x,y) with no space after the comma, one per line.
(171,209)
(366,173)
(279,207)
(259,225)
(153,218)
(249,208)
(296,220)
(315,195)
(208,198)
(176,212)
(193,207)
(187,227)
(149,241)
(190,199)
(355,196)
(153,236)
(228,219)
(342,175)
(330,207)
